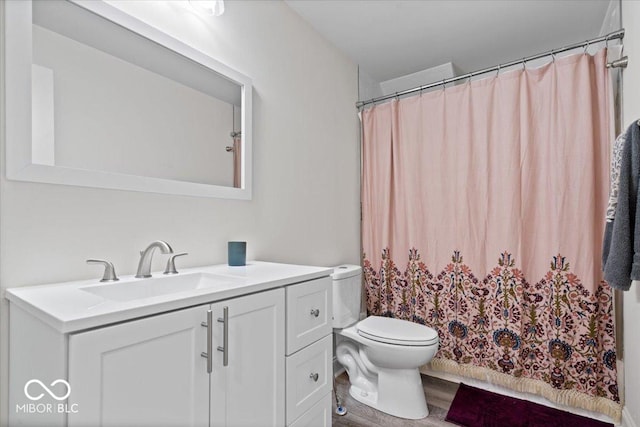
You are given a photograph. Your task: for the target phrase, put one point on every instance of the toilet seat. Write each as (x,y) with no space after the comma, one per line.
(396,331)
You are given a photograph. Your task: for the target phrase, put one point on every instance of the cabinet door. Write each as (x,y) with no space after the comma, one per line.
(147,372)
(249,390)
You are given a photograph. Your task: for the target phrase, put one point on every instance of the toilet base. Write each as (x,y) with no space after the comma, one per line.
(399,393)
(368,398)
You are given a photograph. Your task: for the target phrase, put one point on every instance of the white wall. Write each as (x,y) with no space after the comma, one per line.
(419,78)
(631,111)
(306,197)
(612,19)
(368,87)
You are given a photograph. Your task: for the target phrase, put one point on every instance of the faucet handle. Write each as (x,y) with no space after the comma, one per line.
(171,263)
(109,270)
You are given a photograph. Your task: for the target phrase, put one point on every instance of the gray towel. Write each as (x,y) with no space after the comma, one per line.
(621,244)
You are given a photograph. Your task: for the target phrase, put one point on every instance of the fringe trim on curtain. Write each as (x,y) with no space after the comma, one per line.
(563,397)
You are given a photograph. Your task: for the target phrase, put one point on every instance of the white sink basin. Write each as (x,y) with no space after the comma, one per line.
(134,289)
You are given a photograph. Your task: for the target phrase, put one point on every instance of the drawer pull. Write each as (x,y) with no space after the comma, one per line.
(314,377)
(208,325)
(225,336)
(315,312)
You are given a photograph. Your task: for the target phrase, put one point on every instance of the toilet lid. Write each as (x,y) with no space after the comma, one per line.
(396,331)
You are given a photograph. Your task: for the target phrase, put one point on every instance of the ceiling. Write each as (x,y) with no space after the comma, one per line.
(389,38)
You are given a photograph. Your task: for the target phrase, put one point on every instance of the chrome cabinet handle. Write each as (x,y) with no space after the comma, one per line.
(315,312)
(171,264)
(225,336)
(109,270)
(208,325)
(314,376)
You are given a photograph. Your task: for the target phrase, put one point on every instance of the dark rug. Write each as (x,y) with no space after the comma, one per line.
(472,407)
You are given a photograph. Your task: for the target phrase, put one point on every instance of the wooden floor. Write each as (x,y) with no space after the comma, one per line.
(439,394)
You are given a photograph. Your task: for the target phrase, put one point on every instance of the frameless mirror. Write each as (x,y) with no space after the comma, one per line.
(115,103)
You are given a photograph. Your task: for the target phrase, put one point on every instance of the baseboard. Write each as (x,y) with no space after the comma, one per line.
(627,421)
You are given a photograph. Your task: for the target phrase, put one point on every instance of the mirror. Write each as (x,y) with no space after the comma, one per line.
(114,103)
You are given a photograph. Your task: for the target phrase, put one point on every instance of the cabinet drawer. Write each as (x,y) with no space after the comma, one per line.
(308,377)
(309,315)
(318,416)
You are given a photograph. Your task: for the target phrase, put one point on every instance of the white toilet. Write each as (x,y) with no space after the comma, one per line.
(381,355)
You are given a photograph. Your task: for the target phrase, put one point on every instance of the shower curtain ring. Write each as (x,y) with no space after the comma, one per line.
(443,85)
(606,42)
(586,46)
(524,63)
(498,71)
(553,55)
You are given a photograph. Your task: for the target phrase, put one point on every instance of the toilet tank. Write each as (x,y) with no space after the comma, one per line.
(347,295)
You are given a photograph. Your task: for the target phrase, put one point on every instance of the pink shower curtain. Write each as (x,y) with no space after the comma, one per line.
(483,214)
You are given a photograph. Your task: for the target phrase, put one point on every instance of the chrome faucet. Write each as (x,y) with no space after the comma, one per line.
(144,266)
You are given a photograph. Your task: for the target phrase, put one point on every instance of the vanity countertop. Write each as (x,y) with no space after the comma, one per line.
(69,307)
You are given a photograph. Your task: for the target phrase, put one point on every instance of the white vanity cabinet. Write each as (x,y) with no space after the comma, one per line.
(152,371)
(214,359)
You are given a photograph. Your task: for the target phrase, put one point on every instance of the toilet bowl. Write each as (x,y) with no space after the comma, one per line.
(381,355)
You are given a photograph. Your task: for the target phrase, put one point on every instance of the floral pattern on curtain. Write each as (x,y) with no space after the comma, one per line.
(483,214)
(554,331)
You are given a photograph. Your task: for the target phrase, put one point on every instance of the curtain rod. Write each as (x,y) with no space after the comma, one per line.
(611,36)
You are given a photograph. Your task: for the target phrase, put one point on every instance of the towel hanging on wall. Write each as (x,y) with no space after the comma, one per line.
(621,243)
